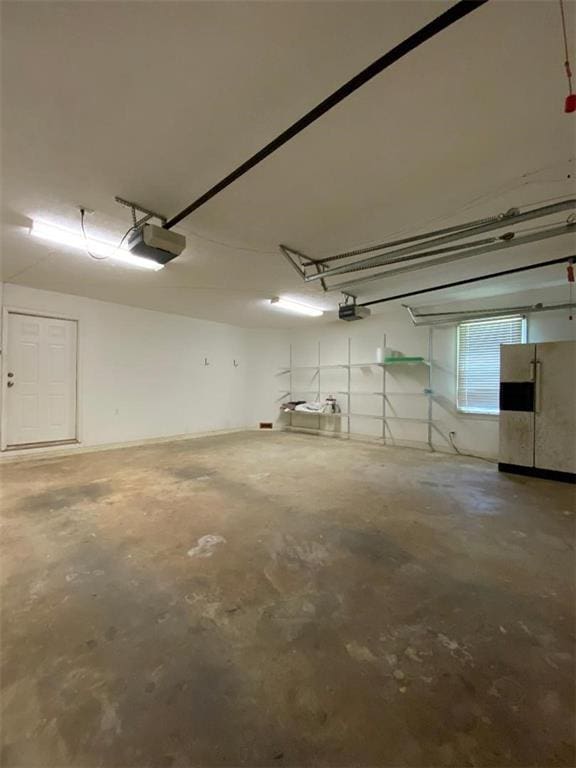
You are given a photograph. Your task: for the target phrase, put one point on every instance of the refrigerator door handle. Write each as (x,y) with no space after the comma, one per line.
(537,367)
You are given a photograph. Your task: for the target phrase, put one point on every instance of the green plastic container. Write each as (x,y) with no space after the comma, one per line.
(401,359)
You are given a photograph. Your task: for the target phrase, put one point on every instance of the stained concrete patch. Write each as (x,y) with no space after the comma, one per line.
(65,496)
(360,652)
(371,544)
(259,476)
(205,546)
(292,551)
(191,473)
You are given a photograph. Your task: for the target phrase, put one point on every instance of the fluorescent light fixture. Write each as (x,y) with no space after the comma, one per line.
(97,247)
(295,306)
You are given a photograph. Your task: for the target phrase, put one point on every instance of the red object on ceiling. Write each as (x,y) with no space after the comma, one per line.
(570,103)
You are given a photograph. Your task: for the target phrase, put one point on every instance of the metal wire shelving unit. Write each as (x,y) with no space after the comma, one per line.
(346,415)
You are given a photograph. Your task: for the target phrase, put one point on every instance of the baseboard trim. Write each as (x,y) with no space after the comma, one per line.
(358,437)
(46,444)
(72,449)
(543,474)
(433,449)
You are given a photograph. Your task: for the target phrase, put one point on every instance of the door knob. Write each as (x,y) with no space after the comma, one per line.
(10,374)
(10,383)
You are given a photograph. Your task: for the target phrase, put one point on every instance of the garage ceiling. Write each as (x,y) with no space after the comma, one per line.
(156,102)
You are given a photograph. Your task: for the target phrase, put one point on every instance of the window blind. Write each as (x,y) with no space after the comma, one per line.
(478,376)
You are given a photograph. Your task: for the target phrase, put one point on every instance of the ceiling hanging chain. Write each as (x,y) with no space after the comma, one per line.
(570,103)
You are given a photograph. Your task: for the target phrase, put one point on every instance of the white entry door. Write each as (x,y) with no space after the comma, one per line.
(40,380)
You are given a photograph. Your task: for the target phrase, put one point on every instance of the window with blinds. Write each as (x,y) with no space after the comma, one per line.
(478,368)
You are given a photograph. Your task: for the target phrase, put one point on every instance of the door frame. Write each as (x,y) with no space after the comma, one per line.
(15,310)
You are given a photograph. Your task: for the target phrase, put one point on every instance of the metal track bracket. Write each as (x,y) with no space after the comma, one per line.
(137,208)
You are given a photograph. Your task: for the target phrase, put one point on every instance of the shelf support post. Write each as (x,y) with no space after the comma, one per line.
(291,393)
(430,402)
(384,411)
(349,374)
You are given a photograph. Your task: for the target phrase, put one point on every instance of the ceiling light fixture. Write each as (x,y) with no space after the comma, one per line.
(98,247)
(295,306)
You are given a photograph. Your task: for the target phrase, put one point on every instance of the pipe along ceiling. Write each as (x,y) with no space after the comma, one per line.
(416,247)
(469,280)
(458,11)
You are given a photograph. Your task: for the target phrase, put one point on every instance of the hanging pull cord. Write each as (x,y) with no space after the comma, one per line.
(85,236)
(570,103)
(134,226)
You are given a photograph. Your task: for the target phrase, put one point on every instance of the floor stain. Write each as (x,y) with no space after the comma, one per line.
(351,612)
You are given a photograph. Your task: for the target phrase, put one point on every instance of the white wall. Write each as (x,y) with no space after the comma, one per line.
(268,355)
(141,373)
(551,326)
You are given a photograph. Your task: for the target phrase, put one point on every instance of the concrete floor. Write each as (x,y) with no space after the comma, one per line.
(353,606)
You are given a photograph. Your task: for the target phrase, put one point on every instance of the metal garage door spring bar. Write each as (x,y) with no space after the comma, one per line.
(497,245)
(462,228)
(392,256)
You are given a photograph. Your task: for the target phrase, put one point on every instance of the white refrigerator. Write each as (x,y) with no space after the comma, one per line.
(538,409)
